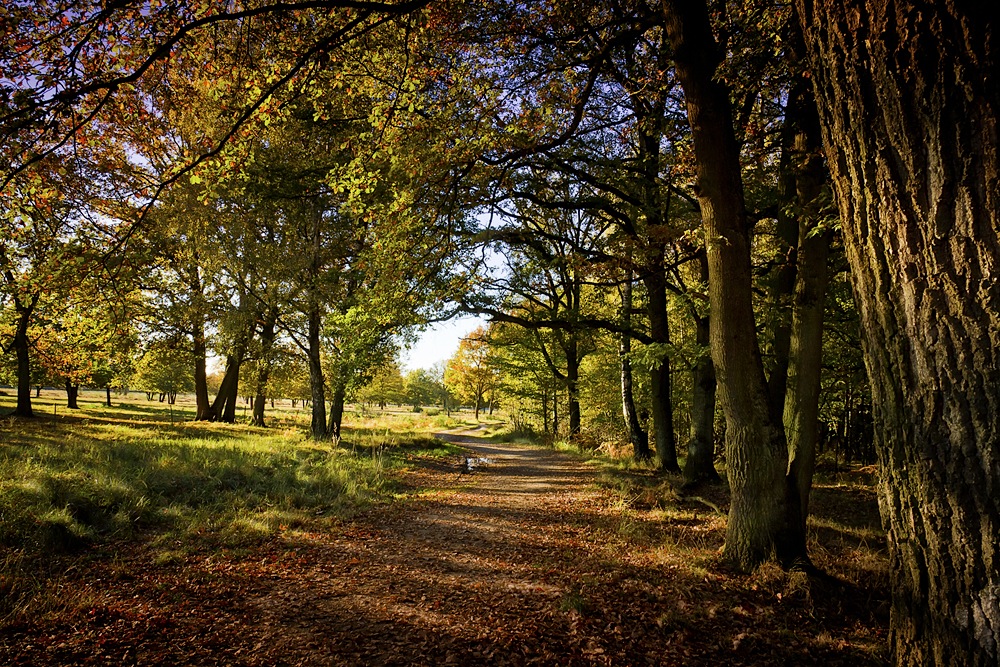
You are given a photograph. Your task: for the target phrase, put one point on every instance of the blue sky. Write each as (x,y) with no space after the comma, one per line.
(438,343)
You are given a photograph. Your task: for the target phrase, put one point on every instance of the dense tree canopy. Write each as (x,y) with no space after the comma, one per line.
(642,197)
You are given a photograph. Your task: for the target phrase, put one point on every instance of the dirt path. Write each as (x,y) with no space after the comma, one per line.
(522,561)
(473,575)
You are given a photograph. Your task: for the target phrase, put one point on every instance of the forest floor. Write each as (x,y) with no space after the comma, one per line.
(534,557)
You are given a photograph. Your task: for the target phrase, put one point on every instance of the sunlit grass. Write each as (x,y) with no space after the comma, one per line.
(74,480)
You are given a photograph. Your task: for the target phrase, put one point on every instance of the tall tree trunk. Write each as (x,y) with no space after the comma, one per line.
(72,395)
(224,406)
(264,372)
(782,282)
(655,210)
(545,410)
(200,349)
(659,385)
(22,350)
(700,463)
(228,390)
(756,451)
(910,111)
(636,435)
(107,395)
(229,402)
(801,400)
(555,412)
(573,384)
(801,416)
(316,385)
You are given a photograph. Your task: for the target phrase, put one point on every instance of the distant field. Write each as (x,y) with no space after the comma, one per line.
(134,405)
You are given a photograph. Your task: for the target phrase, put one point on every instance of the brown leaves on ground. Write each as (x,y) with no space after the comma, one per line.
(524,561)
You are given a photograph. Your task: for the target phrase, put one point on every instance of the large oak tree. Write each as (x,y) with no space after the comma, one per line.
(910,104)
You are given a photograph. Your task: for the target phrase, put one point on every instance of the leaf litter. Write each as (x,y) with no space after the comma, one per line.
(523,560)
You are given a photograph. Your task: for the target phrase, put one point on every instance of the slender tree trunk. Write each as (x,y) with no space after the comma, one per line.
(655,210)
(910,111)
(224,406)
(228,391)
(72,394)
(22,351)
(659,385)
(636,435)
(229,401)
(700,463)
(107,395)
(200,349)
(316,384)
(555,412)
(545,410)
(782,281)
(801,416)
(801,400)
(263,374)
(573,384)
(756,451)
(337,411)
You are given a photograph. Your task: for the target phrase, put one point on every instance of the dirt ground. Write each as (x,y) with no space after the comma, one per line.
(522,560)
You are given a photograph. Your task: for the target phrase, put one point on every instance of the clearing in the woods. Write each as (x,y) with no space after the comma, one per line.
(484,553)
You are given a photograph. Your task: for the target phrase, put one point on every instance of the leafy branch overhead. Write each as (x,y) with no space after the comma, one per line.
(737,242)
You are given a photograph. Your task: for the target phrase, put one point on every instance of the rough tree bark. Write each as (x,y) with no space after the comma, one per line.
(756,451)
(910,108)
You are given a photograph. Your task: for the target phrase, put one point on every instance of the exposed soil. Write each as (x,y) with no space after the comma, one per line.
(523,560)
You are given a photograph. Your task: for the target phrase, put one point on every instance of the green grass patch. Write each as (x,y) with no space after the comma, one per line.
(74,480)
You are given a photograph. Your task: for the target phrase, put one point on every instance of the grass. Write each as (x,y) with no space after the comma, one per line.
(83,489)
(77,481)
